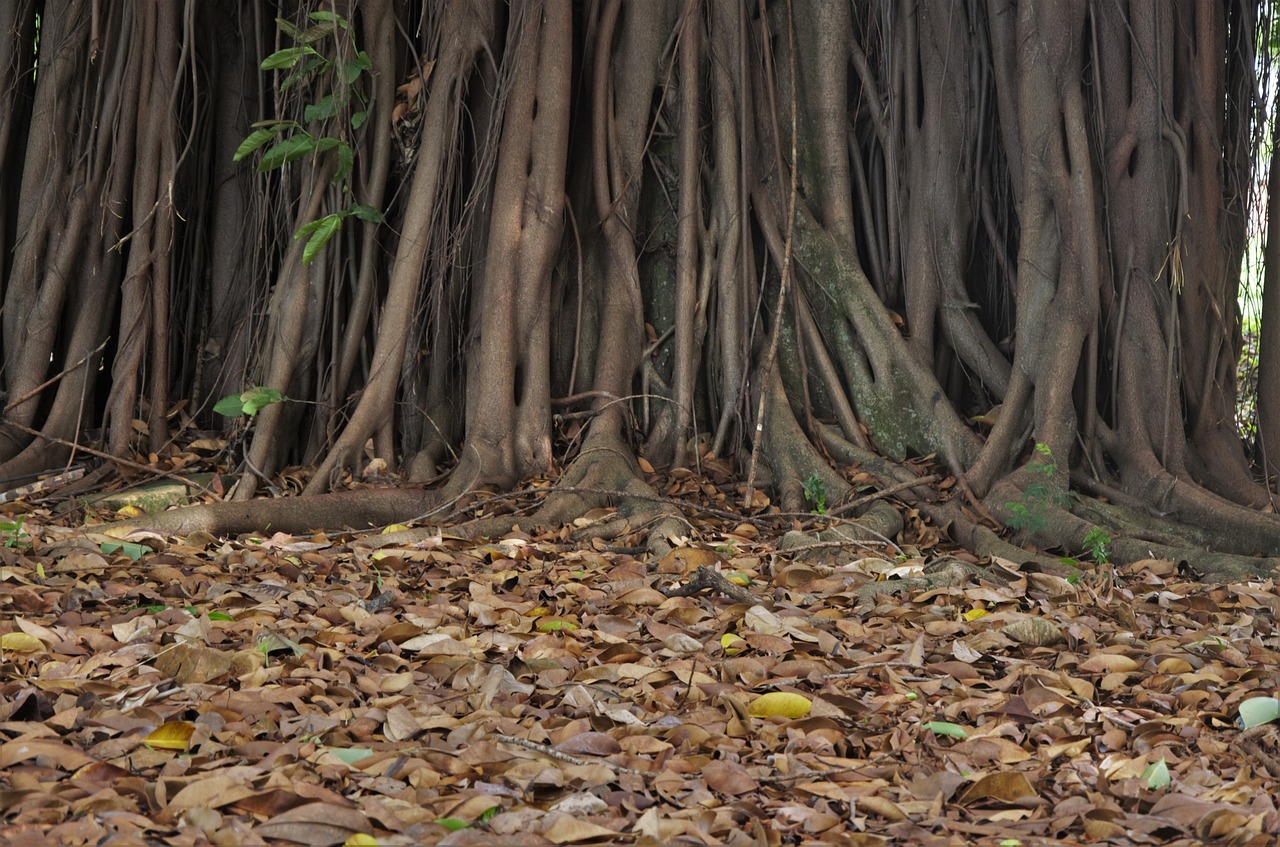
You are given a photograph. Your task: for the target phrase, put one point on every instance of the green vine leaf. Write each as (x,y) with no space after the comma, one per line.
(248,402)
(328,106)
(346,163)
(366,213)
(293,147)
(332,18)
(286,58)
(256,139)
(327,227)
(289,29)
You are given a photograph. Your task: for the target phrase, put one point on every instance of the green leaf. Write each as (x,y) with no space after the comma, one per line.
(349,755)
(129,548)
(273,642)
(1258,710)
(325,109)
(318,32)
(286,58)
(331,17)
(1157,775)
(259,397)
(220,616)
(947,728)
(346,162)
(358,119)
(329,226)
(293,147)
(555,625)
(365,213)
(289,29)
(362,61)
(256,139)
(229,406)
(351,72)
(276,124)
(453,824)
(308,228)
(308,67)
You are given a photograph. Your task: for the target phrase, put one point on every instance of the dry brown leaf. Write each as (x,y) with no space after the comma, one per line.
(1003,787)
(566,829)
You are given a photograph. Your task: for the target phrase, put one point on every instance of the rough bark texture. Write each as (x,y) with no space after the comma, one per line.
(825,234)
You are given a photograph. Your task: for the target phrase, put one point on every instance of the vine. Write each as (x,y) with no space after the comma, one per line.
(307,63)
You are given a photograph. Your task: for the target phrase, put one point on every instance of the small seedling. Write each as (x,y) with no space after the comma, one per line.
(1096,543)
(815,494)
(1032,510)
(14,534)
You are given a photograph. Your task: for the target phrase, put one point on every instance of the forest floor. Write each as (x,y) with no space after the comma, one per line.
(537,690)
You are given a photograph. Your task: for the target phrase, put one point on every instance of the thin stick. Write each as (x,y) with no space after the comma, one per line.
(706,578)
(882,493)
(108,457)
(13,404)
(828,677)
(565,757)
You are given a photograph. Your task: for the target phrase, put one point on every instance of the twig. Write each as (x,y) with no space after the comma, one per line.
(850,542)
(565,757)
(881,494)
(828,677)
(43,484)
(705,578)
(137,466)
(13,404)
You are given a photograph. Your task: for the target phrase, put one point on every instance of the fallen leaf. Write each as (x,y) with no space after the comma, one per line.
(780,703)
(174,735)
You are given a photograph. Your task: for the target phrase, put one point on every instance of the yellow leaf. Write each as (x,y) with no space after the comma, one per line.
(395,527)
(555,625)
(974,614)
(20,642)
(129,511)
(174,735)
(782,703)
(738,578)
(732,644)
(360,839)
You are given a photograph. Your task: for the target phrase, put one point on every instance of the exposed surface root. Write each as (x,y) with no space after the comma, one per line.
(1131,536)
(362,509)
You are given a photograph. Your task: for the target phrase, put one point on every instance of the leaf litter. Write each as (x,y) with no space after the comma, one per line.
(536,690)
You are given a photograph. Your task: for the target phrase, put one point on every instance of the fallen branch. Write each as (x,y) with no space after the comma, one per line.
(705,578)
(565,757)
(42,485)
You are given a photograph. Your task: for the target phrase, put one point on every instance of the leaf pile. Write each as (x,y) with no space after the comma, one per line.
(526,691)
